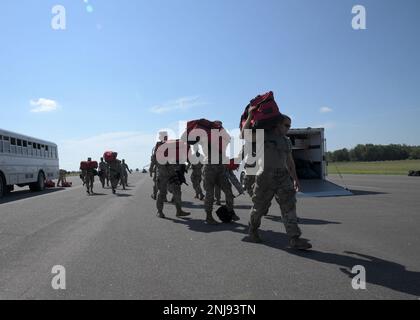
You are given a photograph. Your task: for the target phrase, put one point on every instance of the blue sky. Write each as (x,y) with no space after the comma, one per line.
(121,72)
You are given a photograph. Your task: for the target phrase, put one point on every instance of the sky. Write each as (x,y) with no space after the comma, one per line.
(122,70)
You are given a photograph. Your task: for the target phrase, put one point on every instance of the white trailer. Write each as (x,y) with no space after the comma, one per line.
(309,152)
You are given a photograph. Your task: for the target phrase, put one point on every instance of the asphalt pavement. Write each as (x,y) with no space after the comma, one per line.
(114,246)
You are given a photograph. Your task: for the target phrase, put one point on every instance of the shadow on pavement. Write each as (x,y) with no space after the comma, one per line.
(365,193)
(379,272)
(303,220)
(26,194)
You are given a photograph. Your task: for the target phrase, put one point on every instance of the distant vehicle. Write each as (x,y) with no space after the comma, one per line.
(26,161)
(309,153)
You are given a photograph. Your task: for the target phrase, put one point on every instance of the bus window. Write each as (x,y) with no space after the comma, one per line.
(6,144)
(25,147)
(1,144)
(12,145)
(19,146)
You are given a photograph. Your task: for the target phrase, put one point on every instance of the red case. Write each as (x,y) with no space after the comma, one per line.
(268,110)
(110,156)
(87,165)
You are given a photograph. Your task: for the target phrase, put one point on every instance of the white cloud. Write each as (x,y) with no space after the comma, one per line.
(180,104)
(325,110)
(135,147)
(43,105)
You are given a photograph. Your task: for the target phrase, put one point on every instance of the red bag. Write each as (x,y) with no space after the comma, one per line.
(110,156)
(66,185)
(176,151)
(232,165)
(266,115)
(87,165)
(207,126)
(49,184)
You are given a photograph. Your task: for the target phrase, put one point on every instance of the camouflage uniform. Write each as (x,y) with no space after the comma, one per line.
(114,173)
(167,176)
(89,179)
(249,184)
(61,177)
(274,180)
(103,172)
(217,195)
(196,178)
(124,174)
(215,175)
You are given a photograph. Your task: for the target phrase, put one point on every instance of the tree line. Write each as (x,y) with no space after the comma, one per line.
(371,152)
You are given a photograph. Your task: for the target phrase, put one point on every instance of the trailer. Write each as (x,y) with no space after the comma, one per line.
(309,153)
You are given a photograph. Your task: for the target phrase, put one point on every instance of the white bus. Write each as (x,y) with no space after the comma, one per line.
(26,161)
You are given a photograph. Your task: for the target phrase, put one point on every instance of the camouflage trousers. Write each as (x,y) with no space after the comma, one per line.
(196,181)
(217,193)
(102,178)
(249,184)
(278,184)
(89,181)
(155,186)
(115,178)
(164,174)
(215,175)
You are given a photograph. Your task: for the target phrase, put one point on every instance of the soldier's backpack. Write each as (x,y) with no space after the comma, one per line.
(88,165)
(225,215)
(110,156)
(267,114)
(207,126)
(200,124)
(172,151)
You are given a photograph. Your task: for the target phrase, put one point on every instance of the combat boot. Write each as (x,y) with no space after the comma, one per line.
(182,213)
(299,244)
(254,235)
(210,220)
(161,215)
(235,217)
(202,197)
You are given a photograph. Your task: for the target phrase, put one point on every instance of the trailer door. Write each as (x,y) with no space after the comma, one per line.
(322,188)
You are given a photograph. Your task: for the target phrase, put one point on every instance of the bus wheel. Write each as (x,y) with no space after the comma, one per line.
(2,187)
(39,185)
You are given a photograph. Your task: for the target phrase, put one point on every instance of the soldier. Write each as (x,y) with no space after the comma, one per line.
(103,173)
(276,177)
(114,173)
(163,136)
(168,175)
(196,178)
(89,177)
(124,174)
(61,177)
(215,174)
